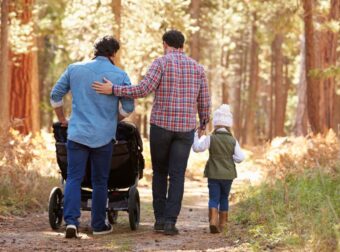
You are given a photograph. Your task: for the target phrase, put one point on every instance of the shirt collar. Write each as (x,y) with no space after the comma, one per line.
(102,58)
(174,50)
(222,129)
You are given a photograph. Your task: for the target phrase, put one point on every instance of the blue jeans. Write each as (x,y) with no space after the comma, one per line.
(219,193)
(77,156)
(169,155)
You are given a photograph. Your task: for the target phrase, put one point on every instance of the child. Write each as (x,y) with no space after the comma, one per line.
(224,151)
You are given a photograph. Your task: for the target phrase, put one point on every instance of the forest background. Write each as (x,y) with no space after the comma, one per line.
(276,62)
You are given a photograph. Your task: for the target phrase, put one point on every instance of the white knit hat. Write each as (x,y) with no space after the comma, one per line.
(223,116)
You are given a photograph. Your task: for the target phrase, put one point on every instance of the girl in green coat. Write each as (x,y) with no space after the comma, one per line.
(224,151)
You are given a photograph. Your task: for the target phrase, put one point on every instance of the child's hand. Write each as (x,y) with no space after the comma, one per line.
(201,132)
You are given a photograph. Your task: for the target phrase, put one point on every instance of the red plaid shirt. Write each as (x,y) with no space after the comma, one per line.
(181,91)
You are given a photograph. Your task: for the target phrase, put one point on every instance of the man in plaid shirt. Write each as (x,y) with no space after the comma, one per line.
(181,91)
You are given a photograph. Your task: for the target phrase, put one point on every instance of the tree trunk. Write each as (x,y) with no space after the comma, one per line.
(225,92)
(209,74)
(224,61)
(329,60)
(250,136)
(279,86)
(301,111)
(117,11)
(45,57)
(4,80)
(238,89)
(225,86)
(35,98)
(195,38)
(336,125)
(313,87)
(319,47)
(271,100)
(244,85)
(286,87)
(24,95)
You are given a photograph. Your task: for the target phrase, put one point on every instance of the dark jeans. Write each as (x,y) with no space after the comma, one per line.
(169,155)
(219,193)
(77,155)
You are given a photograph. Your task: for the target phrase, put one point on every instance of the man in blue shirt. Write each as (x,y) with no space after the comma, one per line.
(91,129)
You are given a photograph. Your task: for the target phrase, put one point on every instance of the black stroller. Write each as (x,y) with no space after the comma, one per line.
(126,169)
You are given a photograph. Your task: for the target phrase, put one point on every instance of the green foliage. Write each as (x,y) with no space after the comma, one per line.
(298,210)
(66,30)
(22,31)
(20,35)
(25,172)
(141,34)
(332,71)
(84,22)
(142,26)
(15,202)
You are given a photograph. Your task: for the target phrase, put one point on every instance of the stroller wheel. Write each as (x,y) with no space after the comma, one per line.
(112,216)
(55,211)
(134,208)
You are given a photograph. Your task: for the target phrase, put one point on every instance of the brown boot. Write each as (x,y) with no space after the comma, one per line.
(213,220)
(223,217)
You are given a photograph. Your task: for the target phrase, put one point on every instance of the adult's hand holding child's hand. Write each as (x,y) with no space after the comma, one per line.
(201,132)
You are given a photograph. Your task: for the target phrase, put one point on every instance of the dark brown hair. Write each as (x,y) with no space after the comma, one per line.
(106,46)
(174,39)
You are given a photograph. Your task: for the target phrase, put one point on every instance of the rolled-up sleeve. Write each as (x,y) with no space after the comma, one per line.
(60,89)
(127,104)
(145,87)
(203,100)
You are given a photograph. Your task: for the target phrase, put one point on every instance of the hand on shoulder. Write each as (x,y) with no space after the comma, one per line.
(103,88)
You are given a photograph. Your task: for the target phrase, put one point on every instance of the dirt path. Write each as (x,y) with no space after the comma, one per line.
(32,232)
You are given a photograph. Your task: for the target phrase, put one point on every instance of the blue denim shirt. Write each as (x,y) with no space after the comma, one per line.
(94,116)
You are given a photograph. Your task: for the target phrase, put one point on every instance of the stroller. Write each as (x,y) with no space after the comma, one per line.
(126,169)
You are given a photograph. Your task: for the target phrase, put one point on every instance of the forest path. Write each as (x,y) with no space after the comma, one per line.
(33,233)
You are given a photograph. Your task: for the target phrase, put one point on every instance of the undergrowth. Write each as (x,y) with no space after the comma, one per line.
(298,205)
(298,211)
(27,171)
